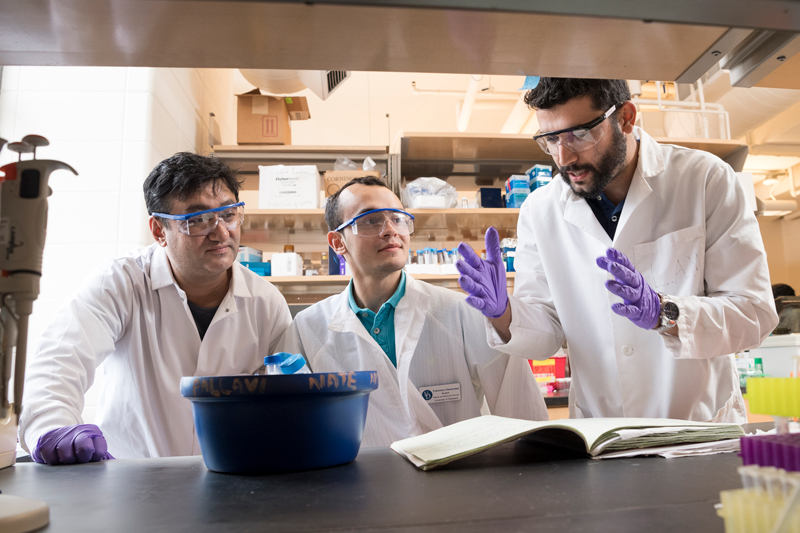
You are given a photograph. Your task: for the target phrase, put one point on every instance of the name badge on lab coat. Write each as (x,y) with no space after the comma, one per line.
(441,393)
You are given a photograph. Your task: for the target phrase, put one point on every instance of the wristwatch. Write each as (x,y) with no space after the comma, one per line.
(670,312)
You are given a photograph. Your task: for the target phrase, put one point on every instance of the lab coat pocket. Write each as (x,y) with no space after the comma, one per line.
(674,263)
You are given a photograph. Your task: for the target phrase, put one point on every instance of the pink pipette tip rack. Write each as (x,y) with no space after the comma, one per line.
(780,451)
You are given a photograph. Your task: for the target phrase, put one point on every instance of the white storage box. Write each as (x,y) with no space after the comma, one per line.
(288,187)
(287,264)
(776,354)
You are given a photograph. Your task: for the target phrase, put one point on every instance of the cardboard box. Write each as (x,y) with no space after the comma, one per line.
(262,119)
(332,180)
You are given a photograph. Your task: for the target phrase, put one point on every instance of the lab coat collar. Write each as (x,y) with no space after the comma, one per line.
(344,320)
(578,212)
(651,159)
(238,284)
(649,165)
(160,271)
(409,318)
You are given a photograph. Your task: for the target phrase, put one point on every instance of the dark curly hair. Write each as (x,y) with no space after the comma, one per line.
(552,92)
(184,174)
(333,215)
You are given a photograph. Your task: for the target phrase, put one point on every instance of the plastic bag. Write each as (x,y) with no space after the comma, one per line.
(343,163)
(429,193)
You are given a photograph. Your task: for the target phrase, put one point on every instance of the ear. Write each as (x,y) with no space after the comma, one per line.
(627,116)
(158,231)
(336,242)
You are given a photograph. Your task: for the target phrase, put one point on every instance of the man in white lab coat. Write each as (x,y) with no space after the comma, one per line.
(434,366)
(180,307)
(644,256)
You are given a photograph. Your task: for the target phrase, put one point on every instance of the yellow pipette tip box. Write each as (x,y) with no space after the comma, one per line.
(746,511)
(774,396)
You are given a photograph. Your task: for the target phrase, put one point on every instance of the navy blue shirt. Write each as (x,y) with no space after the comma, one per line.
(606,212)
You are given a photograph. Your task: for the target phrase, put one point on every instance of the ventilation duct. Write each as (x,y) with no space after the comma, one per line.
(321,82)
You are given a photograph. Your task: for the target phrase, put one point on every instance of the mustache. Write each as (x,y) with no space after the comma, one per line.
(576,168)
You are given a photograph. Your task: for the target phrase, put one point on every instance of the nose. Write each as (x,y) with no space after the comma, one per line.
(389,229)
(220,232)
(565,156)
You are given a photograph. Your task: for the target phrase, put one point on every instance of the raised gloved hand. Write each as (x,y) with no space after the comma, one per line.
(484,280)
(642,306)
(81,443)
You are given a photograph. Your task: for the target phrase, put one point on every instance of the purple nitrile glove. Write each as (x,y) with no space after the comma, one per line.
(642,306)
(484,280)
(81,443)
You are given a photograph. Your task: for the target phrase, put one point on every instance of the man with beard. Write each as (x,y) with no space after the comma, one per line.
(682,281)
(426,344)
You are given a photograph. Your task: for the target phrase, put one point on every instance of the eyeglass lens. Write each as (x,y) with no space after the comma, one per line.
(375,223)
(575,141)
(207,222)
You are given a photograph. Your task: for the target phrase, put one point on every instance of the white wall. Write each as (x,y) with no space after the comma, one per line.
(112,125)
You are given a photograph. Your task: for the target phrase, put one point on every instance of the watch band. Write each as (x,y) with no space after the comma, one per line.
(668,317)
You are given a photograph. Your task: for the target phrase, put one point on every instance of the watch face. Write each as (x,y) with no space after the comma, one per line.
(671,311)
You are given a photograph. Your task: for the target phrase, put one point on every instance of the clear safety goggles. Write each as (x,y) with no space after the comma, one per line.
(373,223)
(575,139)
(204,222)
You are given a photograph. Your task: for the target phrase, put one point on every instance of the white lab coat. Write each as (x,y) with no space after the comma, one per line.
(133,317)
(687,228)
(439,341)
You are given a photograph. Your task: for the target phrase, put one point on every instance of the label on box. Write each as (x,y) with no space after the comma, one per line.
(441,393)
(288,187)
(5,230)
(269,126)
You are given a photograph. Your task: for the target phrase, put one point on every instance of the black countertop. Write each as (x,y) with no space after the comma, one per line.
(517,486)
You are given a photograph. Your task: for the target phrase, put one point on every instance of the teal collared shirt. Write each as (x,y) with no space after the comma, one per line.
(381,324)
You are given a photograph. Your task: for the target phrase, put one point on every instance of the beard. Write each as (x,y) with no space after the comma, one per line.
(606,170)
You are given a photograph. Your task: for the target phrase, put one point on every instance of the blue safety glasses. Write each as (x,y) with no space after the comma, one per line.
(204,222)
(373,223)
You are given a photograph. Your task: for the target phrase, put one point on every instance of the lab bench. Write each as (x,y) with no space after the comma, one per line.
(517,486)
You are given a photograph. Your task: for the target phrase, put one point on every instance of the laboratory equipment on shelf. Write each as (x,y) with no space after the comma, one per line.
(23,222)
(770,498)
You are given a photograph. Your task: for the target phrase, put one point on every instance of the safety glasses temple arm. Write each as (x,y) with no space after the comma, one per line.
(587,126)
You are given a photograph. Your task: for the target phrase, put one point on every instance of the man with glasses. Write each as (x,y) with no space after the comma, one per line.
(180,307)
(682,281)
(428,347)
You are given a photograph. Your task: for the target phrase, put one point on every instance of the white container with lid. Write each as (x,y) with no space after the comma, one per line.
(776,354)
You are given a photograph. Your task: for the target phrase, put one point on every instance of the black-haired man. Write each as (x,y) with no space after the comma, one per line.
(672,228)
(434,366)
(179,307)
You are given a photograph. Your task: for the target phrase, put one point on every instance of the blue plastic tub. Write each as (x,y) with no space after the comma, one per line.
(261,424)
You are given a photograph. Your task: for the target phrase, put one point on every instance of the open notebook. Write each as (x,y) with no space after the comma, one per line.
(594,436)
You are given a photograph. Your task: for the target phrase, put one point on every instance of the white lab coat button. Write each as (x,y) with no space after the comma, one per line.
(377,330)
(627,350)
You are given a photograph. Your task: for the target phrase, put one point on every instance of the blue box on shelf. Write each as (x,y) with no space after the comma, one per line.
(489,197)
(262,269)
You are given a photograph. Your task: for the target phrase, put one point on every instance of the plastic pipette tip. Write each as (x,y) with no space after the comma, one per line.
(780,451)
